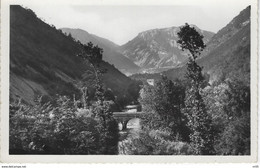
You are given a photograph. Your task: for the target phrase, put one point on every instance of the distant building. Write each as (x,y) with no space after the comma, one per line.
(150,82)
(133,108)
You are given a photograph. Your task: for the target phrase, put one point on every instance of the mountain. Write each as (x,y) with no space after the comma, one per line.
(43,61)
(111,54)
(227,54)
(157,49)
(228,31)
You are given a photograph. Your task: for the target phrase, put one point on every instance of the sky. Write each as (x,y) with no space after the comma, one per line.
(121,23)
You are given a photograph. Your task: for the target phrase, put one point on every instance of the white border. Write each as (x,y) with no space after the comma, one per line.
(5,157)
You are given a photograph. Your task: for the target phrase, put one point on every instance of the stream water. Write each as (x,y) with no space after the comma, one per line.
(133,127)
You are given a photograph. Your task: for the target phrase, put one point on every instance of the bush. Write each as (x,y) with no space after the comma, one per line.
(154,142)
(60,129)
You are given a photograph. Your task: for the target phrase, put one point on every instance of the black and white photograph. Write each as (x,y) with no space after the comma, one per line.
(135,80)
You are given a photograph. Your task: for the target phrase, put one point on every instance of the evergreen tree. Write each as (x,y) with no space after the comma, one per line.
(198,119)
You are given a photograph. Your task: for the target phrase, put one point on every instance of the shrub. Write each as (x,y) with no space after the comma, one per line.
(154,142)
(60,129)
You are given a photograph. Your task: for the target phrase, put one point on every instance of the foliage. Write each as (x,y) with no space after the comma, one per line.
(163,103)
(133,90)
(93,55)
(229,105)
(199,121)
(60,129)
(109,137)
(191,40)
(109,95)
(235,139)
(215,99)
(154,142)
(47,129)
(109,134)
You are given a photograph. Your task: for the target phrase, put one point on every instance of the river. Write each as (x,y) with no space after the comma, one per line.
(133,127)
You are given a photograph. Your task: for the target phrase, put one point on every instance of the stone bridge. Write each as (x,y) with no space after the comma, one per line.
(124,117)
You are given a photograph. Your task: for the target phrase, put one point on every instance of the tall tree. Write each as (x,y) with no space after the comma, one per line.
(198,119)
(93,55)
(108,126)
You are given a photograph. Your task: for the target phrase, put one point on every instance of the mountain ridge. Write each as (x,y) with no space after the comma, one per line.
(111,53)
(157,49)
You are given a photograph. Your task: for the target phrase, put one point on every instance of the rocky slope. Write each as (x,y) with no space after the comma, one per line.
(157,50)
(111,54)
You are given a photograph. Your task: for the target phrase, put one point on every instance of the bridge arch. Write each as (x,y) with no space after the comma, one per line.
(125,117)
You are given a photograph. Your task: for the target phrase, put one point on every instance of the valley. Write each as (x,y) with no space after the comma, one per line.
(177,90)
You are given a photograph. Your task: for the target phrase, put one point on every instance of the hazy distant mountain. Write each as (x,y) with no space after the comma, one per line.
(156,50)
(227,54)
(43,60)
(111,54)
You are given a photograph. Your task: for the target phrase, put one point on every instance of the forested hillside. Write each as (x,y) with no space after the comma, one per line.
(43,61)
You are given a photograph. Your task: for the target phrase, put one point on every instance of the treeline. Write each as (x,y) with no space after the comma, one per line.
(190,116)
